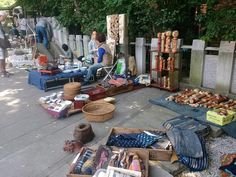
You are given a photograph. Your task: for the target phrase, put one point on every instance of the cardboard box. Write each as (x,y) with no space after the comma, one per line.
(214,117)
(143,154)
(154,154)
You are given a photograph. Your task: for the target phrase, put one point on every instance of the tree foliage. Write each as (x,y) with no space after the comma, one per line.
(146,17)
(6,3)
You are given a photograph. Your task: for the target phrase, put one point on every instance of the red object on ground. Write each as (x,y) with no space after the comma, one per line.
(43,59)
(79,104)
(95,93)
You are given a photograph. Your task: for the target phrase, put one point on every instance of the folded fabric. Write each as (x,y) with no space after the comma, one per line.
(185,122)
(103,156)
(230,169)
(138,140)
(185,142)
(196,164)
(88,167)
(86,154)
(118,82)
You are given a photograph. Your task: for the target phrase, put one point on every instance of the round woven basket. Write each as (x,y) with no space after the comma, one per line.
(98,112)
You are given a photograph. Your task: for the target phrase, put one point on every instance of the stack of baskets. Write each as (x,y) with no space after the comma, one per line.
(71,90)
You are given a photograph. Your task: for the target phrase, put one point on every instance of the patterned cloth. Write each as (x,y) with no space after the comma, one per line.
(88,167)
(83,158)
(196,164)
(138,140)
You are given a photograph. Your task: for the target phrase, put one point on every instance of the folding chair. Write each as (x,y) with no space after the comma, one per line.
(108,69)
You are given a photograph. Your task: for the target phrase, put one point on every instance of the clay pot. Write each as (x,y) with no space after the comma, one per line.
(83,133)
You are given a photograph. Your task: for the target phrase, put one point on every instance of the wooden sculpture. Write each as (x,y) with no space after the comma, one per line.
(168,42)
(199,98)
(160,63)
(175,35)
(163,37)
(159,42)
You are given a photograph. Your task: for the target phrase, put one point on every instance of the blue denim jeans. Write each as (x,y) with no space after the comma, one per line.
(42,35)
(92,70)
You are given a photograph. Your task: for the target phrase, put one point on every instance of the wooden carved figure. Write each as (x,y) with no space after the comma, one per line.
(175,35)
(159,42)
(168,42)
(169,63)
(163,36)
(160,63)
(172,64)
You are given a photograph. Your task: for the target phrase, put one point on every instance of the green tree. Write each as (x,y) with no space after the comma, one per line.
(6,3)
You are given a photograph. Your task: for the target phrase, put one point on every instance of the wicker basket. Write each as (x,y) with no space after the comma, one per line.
(98,112)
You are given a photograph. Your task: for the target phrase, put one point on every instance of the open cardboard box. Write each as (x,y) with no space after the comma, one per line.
(154,154)
(143,154)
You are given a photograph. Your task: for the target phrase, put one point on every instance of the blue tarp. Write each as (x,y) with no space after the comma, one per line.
(37,79)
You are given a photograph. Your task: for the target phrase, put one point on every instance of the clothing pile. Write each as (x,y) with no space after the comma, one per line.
(88,161)
(145,139)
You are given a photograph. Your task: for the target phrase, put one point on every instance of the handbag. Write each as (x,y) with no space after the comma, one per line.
(5,43)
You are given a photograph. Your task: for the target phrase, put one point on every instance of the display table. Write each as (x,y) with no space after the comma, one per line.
(47,82)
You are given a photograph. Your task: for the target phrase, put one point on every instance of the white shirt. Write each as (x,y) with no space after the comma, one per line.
(23,24)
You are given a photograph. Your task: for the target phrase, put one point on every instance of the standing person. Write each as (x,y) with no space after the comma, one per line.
(43,32)
(92,50)
(3,51)
(22,25)
(92,47)
(104,57)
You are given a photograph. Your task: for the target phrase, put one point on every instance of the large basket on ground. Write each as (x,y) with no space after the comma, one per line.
(98,112)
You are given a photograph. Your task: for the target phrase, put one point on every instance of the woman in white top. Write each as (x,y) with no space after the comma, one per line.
(22,25)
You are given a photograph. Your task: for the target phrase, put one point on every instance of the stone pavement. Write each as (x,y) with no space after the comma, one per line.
(31,141)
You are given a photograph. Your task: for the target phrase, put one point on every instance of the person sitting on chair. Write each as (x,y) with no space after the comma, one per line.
(104,57)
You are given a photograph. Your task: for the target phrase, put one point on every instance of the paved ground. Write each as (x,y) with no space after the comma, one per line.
(31,141)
